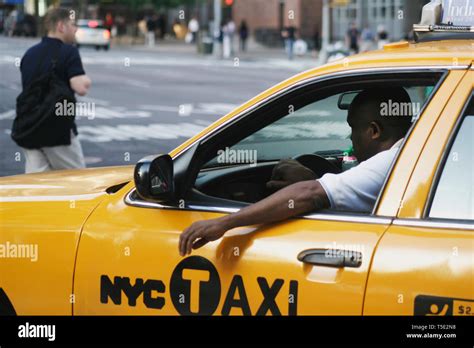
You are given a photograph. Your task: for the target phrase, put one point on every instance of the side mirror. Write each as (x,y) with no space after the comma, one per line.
(154,179)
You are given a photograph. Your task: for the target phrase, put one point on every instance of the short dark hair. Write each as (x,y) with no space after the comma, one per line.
(369,105)
(54,16)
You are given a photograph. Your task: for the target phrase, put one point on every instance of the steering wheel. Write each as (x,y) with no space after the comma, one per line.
(319,165)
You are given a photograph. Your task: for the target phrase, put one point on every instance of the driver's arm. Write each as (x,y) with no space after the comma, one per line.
(293,200)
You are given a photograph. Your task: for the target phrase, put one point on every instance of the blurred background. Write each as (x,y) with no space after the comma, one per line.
(162,70)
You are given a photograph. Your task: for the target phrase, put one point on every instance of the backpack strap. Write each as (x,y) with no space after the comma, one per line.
(40,62)
(54,58)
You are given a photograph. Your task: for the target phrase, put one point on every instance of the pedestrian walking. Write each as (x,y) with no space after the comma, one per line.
(352,38)
(141,29)
(219,39)
(150,31)
(51,72)
(316,42)
(382,37)
(109,21)
(367,39)
(162,25)
(121,27)
(243,35)
(289,35)
(226,43)
(231,29)
(179,29)
(193,28)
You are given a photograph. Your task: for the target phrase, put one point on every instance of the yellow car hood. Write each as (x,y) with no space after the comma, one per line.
(92,182)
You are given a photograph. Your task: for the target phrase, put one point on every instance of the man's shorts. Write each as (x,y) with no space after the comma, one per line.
(55,157)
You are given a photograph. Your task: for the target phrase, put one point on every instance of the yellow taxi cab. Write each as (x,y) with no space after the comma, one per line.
(105,241)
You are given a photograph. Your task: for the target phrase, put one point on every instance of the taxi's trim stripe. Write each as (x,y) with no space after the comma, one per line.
(316,216)
(407,136)
(370,219)
(456,225)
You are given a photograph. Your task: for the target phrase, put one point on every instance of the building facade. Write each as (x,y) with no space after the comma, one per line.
(266,18)
(269,16)
(396,16)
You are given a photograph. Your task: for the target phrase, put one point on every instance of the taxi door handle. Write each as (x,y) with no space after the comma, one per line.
(331,257)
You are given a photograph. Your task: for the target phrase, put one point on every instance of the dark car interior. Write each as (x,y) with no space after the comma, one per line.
(248,184)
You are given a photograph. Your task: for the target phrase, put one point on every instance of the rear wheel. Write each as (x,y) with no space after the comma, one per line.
(106,47)
(97,48)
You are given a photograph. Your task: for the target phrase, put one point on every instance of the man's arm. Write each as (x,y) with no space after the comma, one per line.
(303,196)
(80,84)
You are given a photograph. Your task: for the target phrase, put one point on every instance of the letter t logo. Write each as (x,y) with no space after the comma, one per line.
(198,276)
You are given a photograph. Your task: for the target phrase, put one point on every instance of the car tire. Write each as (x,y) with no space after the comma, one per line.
(106,47)
(97,48)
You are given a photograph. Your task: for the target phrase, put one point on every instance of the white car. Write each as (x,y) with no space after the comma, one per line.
(92,32)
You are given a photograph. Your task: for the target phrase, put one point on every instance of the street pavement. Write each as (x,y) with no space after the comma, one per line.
(145,100)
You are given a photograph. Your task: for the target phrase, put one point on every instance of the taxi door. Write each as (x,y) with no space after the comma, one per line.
(424,264)
(128,263)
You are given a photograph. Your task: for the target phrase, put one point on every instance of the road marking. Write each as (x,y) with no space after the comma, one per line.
(135,83)
(269,63)
(100,102)
(10,114)
(219,109)
(128,132)
(92,160)
(103,110)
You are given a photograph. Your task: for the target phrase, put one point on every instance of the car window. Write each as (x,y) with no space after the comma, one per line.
(319,128)
(454,195)
(237,162)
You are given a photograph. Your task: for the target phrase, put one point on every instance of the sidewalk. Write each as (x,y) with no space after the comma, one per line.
(172,52)
(256,53)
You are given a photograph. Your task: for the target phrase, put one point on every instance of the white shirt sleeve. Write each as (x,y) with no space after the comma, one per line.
(357,189)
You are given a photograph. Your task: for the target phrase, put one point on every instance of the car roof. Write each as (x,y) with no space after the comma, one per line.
(400,54)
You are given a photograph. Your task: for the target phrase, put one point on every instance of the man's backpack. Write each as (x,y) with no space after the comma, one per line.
(40,116)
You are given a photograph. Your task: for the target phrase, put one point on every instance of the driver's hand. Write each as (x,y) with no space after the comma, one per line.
(288,172)
(199,234)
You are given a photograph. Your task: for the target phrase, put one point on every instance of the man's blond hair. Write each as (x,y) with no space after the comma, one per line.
(54,16)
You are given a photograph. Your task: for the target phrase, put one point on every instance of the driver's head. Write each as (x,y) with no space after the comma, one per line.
(378,117)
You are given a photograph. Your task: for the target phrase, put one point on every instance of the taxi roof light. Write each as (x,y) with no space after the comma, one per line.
(431,14)
(446,19)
